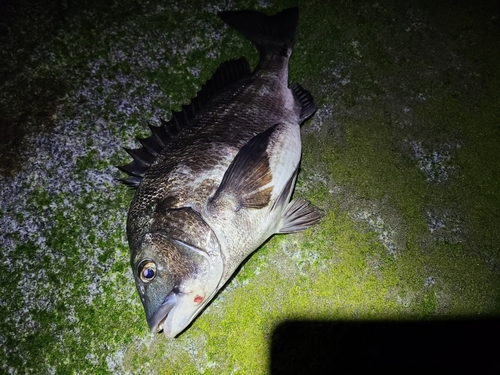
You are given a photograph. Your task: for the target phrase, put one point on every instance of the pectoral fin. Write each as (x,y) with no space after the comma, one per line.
(244,183)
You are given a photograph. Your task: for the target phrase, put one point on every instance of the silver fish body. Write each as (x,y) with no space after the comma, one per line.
(215,181)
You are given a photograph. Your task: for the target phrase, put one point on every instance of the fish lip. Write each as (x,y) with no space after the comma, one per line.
(155,322)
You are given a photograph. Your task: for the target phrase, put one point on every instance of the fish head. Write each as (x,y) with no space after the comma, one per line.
(177,271)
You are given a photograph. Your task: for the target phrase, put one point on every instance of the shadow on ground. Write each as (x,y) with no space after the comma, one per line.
(335,347)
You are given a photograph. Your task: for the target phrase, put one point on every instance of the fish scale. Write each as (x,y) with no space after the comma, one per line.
(216,180)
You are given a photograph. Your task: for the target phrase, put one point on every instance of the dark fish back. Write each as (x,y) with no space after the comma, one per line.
(226,75)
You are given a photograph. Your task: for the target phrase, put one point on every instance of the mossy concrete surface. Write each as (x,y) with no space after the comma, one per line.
(402,156)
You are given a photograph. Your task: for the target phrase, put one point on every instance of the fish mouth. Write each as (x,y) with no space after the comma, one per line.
(155,322)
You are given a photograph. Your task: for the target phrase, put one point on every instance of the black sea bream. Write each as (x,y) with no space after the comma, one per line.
(215,181)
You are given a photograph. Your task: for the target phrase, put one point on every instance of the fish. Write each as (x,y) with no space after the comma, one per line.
(214,182)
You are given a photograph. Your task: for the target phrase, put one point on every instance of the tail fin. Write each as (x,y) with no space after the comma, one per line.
(268,33)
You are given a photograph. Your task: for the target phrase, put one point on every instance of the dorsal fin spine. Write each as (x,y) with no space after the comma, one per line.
(168,128)
(228,73)
(141,155)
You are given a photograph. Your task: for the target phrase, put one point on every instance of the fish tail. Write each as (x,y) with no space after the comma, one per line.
(270,34)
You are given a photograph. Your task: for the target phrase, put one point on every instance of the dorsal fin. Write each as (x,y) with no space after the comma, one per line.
(228,73)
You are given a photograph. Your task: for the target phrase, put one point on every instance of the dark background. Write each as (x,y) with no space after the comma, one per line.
(433,347)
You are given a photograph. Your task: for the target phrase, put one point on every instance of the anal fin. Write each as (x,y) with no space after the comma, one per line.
(305,99)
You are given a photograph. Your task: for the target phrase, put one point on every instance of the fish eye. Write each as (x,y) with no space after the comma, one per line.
(147,270)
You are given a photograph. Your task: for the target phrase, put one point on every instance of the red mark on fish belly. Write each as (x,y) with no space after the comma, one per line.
(198,299)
